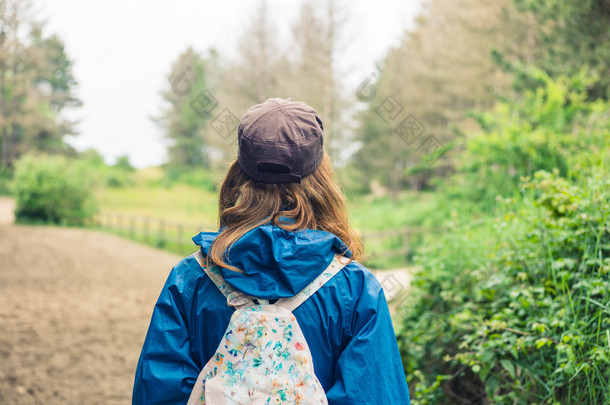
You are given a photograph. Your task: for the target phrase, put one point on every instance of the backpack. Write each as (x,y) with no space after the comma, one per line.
(263,357)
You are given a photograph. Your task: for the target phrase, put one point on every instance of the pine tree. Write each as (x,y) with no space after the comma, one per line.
(36,84)
(190,106)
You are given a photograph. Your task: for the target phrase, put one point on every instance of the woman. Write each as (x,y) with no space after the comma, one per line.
(283,219)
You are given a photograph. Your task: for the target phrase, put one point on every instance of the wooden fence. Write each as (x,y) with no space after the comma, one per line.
(177,236)
(153,231)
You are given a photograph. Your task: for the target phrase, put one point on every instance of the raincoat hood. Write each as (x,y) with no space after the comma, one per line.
(276,263)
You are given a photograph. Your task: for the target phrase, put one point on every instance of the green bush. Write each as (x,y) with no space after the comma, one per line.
(552,126)
(53,189)
(116,177)
(121,174)
(520,317)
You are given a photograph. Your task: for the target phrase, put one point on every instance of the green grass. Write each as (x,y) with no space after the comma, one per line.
(148,197)
(191,205)
(196,208)
(411,209)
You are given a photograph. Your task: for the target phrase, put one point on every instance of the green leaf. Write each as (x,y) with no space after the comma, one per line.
(509,367)
(491,386)
(484,373)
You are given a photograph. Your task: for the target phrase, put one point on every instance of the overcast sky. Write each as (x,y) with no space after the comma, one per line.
(123,50)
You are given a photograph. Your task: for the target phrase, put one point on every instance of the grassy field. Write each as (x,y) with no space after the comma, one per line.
(183,203)
(148,195)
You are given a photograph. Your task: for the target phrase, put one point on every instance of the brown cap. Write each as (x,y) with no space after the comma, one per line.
(280,141)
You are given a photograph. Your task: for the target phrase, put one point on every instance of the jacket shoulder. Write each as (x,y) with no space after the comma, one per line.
(185,275)
(360,276)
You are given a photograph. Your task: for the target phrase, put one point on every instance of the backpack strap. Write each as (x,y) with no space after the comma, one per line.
(335,266)
(235,298)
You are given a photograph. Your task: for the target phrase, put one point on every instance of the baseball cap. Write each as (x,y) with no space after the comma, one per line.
(280,141)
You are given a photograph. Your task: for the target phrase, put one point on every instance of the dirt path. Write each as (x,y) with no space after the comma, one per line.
(7,206)
(74,308)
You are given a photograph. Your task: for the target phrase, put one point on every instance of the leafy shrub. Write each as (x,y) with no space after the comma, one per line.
(552,126)
(117,176)
(53,189)
(522,317)
(123,163)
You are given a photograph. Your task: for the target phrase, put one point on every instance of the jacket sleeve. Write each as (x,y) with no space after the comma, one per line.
(166,371)
(369,370)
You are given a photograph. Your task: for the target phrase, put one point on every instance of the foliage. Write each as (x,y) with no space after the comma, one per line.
(419,95)
(188,108)
(350,180)
(6,177)
(551,126)
(123,163)
(53,189)
(319,37)
(301,65)
(522,317)
(36,84)
(515,310)
(116,176)
(569,34)
(375,216)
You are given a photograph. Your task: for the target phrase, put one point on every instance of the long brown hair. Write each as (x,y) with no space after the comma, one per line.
(315,203)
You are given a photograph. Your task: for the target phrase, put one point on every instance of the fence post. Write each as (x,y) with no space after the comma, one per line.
(146,229)
(161,232)
(132,226)
(406,242)
(179,235)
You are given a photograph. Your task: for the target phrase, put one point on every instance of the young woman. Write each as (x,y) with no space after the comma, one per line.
(283,219)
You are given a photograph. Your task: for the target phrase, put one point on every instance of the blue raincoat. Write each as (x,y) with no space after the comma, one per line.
(346,323)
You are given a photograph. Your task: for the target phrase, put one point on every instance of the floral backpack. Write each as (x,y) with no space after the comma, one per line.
(263,357)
